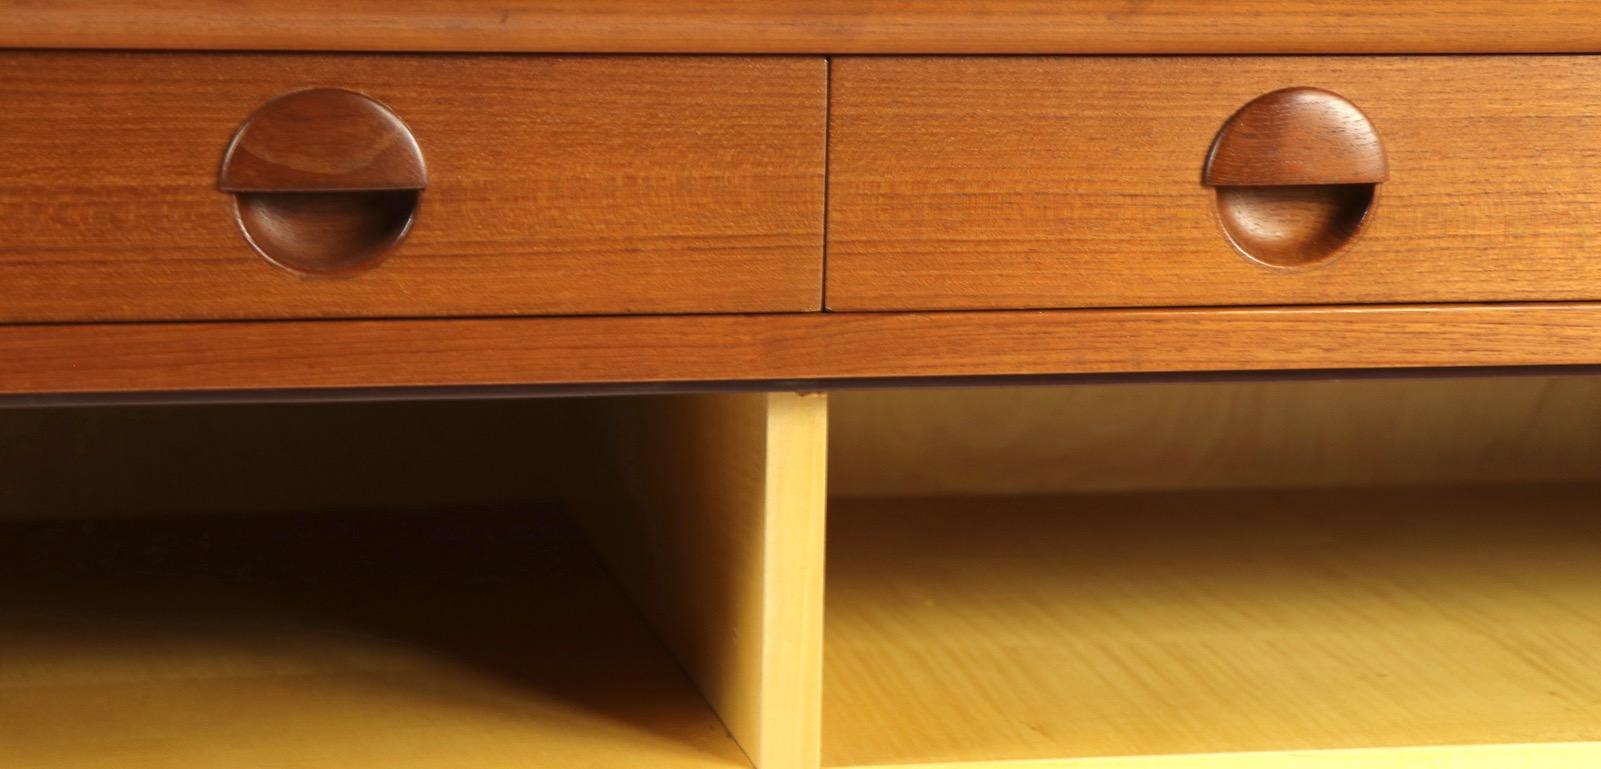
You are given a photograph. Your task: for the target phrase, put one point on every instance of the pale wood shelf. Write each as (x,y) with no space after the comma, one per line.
(397,640)
(1444,626)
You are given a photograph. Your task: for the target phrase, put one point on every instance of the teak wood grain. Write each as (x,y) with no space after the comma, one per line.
(1294,174)
(326,181)
(1296,136)
(555,186)
(1077,182)
(371,355)
(826,26)
(322,140)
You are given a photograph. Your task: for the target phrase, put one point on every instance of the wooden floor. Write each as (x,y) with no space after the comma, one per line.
(403,641)
(1190,624)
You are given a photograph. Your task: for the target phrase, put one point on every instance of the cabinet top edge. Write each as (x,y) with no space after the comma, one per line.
(813,27)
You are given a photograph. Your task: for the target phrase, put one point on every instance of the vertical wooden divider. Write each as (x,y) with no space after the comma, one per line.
(709,510)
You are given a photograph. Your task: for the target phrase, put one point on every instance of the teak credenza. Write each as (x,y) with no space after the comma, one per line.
(455,385)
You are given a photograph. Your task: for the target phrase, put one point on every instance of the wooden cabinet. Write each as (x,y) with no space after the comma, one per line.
(1023,182)
(1256,348)
(555,185)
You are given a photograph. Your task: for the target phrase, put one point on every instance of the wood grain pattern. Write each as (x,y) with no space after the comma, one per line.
(322,140)
(1076,182)
(1297,226)
(1296,136)
(556,185)
(986,629)
(405,639)
(210,357)
(1295,171)
(1215,435)
(326,181)
(709,509)
(325,234)
(1548,755)
(811,26)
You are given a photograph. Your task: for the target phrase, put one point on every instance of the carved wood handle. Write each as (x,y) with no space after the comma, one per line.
(1296,137)
(323,140)
(325,181)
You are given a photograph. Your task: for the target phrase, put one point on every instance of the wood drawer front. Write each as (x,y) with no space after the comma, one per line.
(556,186)
(1076,182)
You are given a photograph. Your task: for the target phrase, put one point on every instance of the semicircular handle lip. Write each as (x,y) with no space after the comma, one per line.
(323,140)
(1296,137)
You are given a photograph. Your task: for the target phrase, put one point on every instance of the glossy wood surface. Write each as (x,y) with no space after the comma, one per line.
(828,26)
(412,639)
(996,183)
(1296,136)
(326,234)
(210,357)
(982,629)
(322,140)
(325,181)
(556,186)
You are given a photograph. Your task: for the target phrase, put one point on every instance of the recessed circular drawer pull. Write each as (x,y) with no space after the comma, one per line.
(1295,174)
(325,181)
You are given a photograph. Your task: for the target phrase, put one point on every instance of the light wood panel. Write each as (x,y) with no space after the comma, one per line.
(1076,182)
(709,509)
(1542,756)
(399,639)
(842,26)
(1049,628)
(198,358)
(1189,435)
(555,186)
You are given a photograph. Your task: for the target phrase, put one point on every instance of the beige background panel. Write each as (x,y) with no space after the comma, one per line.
(275,458)
(1215,435)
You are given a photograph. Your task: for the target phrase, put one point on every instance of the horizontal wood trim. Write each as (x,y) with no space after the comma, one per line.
(1054,182)
(798,26)
(556,186)
(195,357)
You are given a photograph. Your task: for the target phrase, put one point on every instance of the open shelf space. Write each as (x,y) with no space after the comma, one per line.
(977,629)
(405,640)
(596,583)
